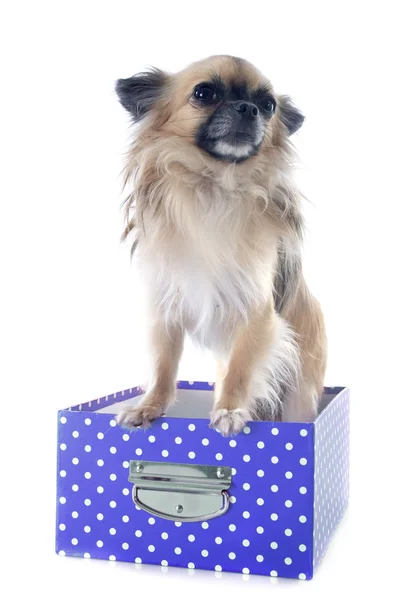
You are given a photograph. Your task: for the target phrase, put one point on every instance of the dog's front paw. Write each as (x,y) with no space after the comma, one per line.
(229,422)
(142,416)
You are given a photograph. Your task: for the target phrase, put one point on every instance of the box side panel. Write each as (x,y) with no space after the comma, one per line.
(267,529)
(332,430)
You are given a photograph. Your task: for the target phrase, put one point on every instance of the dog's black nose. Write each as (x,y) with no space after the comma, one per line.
(247,109)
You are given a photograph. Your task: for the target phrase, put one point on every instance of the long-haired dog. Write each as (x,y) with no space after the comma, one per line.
(217,225)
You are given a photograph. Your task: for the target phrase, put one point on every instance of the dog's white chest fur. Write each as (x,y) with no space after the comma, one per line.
(208,276)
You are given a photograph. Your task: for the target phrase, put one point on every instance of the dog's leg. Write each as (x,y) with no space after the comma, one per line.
(250,346)
(167,346)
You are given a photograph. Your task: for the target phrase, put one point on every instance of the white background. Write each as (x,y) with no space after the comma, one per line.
(71,316)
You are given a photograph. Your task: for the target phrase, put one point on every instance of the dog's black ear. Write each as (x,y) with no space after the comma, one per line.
(290,115)
(139,93)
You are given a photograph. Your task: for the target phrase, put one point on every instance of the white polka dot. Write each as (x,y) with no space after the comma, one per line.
(62,527)
(178,524)
(289,446)
(165,453)
(62,500)
(178,550)
(302,519)
(288,561)
(232,527)
(302,548)
(126,491)
(205,442)
(139,451)
(302,576)
(125,546)
(218,540)
(191,565)
(113,504)
(191,454)
(111,557)
(87,502)
(138,533)
(126,464)
(246,514)
(138,560)
(260,473)
(164,563)
(246,486)
(260,445)
(125,519)
(259,558)
(303,432)
(100,516)
(273,573)
(63,420)
(100,489)
(260,530)
(233,471)
(74,541)
(113,450)
(178,440)
(100,435)
(218,568)
(288,475)
(275,431)
(87,555)
(303,490)
(61,552)
(246,543)
(233,443)
(87,421)
(205,553)
(151,521)
(113,423)
(75,514)
(218,456)
(274,545)
(233,499)
(151,548)
(260,501)
(126,437)
(274,517)
(63,446)
(274,460)
(191,427)
(191,538)
(100,462)
(232,555)
(303,461)
(113,476)
(112,531)
(75,461)
(274,488)
(288,532)
(87,529)
(87,448)
(247,429)
(204,525)
(288,503)
(62,473)
(246,571)
(165,425)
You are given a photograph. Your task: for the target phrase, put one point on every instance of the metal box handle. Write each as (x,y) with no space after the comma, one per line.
(180,492)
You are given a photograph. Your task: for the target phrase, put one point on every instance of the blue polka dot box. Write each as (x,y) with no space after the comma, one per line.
(266,501)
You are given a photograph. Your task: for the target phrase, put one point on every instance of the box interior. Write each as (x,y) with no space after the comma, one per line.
(196,404)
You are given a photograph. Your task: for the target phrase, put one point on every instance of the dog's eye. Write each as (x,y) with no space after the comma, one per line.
(205,93)
(269,105)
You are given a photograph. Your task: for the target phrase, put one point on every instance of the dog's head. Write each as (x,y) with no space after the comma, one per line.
(223,105)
